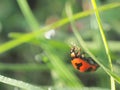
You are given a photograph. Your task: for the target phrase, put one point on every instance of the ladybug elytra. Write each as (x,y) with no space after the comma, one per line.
(82,63)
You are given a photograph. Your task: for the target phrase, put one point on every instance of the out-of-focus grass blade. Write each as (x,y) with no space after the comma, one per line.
(24,67)
(18,83)
(13,43)
(28,14)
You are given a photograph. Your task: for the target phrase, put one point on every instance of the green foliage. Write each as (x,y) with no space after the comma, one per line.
(53,52)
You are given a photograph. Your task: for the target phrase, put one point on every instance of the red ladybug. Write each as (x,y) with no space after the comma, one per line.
(82,63)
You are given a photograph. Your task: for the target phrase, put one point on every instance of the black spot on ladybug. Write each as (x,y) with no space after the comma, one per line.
(89,69)
(78,65)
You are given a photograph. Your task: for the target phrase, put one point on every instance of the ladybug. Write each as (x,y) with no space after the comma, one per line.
(81,62)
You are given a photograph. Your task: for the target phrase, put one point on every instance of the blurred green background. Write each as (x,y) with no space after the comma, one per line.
(30,63)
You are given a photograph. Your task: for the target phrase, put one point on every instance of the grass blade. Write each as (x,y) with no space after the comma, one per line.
(18,83)
(28,14)
(104,41)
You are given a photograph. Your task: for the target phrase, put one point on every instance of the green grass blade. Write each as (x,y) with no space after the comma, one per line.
(104,41)
(24,67)
(18,83)
(13,43)
(28,14)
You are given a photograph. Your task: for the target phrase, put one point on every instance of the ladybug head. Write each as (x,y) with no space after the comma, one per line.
(75,52)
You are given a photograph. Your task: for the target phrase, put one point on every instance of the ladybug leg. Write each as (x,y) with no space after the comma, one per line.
(78,53)
(89,69)
(90,60)
(82,55)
